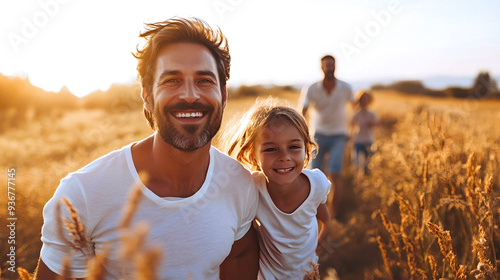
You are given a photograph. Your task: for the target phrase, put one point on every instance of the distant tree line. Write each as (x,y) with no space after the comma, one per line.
(259,90)
(21,101)
(483,87)
(19,93)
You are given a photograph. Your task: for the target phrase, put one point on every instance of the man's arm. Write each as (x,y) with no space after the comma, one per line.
(44,273)
(304,110)
(304,101)
(243,260)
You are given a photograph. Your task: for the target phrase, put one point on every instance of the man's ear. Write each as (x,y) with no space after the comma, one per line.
(146,98)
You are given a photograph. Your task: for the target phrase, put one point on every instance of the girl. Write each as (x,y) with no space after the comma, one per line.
(274,141)
(365,120)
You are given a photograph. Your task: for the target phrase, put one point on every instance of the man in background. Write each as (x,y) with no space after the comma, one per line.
(329,97)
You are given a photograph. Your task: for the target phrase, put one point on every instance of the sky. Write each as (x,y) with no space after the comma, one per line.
(87,45)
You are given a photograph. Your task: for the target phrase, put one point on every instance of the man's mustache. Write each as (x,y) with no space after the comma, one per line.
(182,106)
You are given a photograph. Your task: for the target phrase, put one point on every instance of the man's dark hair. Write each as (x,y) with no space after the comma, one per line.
(327,57)
(179,30)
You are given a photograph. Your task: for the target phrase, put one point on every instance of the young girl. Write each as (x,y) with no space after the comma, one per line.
(364,120)
(274,141)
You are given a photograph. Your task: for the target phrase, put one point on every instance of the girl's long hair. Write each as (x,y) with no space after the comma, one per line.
(243,134)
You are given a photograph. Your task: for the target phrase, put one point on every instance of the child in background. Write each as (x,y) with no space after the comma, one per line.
(363,122)
(274,141)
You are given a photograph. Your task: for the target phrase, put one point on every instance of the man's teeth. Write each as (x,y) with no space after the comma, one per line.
(189,115)
(284,170)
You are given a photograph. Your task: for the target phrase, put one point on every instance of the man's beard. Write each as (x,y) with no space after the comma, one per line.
(189,137)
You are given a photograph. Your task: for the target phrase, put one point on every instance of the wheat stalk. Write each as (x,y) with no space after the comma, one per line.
(23,274)
(485,269)
(60,222)
(66,273)
(76,230)
(408,216)
(146,264)
(133,239)
(433,265)
(95,267)
(314,274)
(445,244)
(411,259)
(390,229)
(383,251)
(425,171)
(488,215)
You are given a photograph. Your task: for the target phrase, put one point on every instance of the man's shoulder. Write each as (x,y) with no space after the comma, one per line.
(230,165)
(106,162)
(237,181)
(315,86)
(313,90)
(344,84)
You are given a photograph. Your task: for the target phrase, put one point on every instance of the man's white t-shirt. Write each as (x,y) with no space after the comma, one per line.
(331,113)
(288,240)
(194,234)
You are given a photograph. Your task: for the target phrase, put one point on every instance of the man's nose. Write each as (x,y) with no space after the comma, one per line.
(189,92)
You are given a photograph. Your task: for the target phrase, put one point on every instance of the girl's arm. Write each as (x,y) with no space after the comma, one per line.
(324,217)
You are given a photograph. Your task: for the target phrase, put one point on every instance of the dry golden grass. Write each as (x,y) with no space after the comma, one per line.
(433,185)
(428,210)
(314,273)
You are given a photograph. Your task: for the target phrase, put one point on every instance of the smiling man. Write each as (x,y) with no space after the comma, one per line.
(198,202)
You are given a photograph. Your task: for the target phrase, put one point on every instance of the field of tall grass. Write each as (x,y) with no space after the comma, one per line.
(429,208)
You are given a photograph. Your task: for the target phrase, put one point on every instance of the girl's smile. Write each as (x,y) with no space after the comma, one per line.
(280,151)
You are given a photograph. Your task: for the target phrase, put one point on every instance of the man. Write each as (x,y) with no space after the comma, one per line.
(199,203)
(329,98)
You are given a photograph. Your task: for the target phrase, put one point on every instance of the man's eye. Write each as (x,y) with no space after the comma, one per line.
(205,81)
(170,81)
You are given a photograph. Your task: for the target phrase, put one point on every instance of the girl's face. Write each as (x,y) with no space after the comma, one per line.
(280,152)
(364,101)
